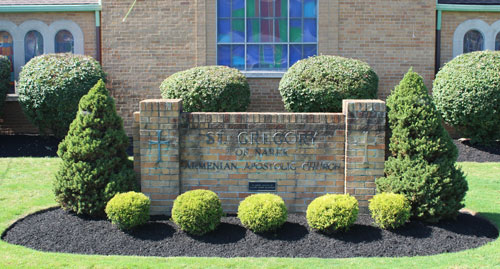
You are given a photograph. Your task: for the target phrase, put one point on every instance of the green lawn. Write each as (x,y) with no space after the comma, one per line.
(25,187)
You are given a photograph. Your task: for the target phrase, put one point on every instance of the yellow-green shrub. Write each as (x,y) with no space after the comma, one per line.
(262,212)
(332,212)
(197,212)
(128,210)
(390,210)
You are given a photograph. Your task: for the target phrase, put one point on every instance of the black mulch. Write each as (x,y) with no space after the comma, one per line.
(56,230)
(33,146)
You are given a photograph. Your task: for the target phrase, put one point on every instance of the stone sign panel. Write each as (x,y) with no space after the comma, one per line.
(298,156)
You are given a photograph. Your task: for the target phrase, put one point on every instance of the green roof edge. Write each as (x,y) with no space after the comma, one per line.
(475,8)
(49,8)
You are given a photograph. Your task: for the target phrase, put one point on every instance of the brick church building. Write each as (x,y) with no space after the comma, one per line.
(141,44)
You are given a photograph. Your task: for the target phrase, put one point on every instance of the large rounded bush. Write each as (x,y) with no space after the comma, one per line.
(262,212)
(390,210)
(197,212)
(319,84)
(208,89)
(332,212)
(50,87)
(128,210)
(467,93)
(5,68)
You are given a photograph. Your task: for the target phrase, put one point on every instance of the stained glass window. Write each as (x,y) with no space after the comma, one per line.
(473,41)
(64,42)
(265,34)
(33,45)
(7,49)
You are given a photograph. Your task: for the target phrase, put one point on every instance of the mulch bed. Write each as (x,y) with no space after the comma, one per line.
(58,231)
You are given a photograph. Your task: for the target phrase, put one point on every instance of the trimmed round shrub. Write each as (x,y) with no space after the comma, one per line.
(320,83)
(50,87)
(262,212)
(390,210)
(332,212)
(128,210)
(197,212)
(467,94)
(94,162)
(5,68)
(208,89)
(422,162)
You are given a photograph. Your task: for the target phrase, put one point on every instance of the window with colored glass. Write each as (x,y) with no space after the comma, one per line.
(473,41)
(497,42)
(260,35)
(64,42)
(33,45)
(7,49)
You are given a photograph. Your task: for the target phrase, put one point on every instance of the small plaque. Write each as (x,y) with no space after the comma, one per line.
(262,186)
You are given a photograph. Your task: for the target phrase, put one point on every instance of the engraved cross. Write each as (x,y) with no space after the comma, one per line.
(159,143)
(365,143)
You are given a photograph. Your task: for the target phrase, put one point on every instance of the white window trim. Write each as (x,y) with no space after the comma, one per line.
(489,33)
(73,28)
(48,33)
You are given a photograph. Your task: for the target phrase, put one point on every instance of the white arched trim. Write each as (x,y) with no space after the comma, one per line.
(73,28)
(42,28)
(496,31)
(18,39)
(488,32)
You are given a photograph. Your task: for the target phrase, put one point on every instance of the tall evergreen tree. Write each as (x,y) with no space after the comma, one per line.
(94,165)
(423,156)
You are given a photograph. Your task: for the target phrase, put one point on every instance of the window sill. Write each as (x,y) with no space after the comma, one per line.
(12,97)
(263,74)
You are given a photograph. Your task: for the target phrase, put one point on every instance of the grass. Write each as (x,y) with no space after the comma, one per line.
(25,187)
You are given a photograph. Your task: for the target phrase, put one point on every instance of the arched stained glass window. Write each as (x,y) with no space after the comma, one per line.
(33,45)
(64,42)
(473,41)
(7,49)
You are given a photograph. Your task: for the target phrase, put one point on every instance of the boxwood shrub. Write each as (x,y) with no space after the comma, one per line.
(332,212)
(128,210)
(467,94)
(197,212)
(50,87)
(5,68)
(263,212)
(208,89)
(390,210)
(320,83)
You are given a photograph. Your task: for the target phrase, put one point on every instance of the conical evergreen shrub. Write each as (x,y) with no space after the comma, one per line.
(94,165)
(422,161)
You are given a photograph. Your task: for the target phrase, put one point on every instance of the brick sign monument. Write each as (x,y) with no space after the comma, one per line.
(298,156)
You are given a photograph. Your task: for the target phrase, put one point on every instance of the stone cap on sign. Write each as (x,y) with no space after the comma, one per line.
(362,104)
(161,104)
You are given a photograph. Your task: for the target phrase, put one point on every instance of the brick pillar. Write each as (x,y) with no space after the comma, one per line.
(160,174)
(136,147)
(364,148)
